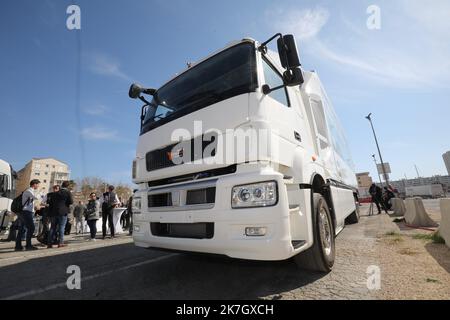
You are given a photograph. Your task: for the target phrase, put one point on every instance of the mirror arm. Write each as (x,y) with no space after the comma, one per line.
(263,46)
(144,100)
(266,89)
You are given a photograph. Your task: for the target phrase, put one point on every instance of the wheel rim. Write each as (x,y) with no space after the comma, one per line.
(325,231)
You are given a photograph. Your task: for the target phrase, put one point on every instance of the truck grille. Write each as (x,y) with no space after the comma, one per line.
(159,159)
(193,197)
(201,196)
(183,230)
(160,200)
(162,158)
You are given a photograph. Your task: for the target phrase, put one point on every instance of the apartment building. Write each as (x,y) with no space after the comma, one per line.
(49,171)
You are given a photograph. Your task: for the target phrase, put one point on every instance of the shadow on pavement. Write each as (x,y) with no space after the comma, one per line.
(183,276)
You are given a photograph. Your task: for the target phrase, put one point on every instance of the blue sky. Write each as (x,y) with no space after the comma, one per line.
(400,73)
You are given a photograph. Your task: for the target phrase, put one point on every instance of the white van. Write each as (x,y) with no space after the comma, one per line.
(286,186)
(7,192)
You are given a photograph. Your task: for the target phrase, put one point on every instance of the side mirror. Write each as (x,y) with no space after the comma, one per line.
(136,90)
(287,50)
(293,77)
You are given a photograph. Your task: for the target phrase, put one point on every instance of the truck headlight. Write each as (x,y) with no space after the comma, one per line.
(262,194)
(136,205)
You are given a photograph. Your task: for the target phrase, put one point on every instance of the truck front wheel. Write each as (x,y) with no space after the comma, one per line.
(320,257)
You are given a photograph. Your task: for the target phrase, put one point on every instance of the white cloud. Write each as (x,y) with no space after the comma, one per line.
(99,133)
(410,51)
(305,23)
(97,110)
(105,65)
(382,65)
(433,17)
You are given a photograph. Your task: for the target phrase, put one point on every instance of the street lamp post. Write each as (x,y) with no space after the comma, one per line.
(369,117)
(376,166)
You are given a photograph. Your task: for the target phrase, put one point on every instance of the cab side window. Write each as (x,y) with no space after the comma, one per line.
(274,79)
(321,124)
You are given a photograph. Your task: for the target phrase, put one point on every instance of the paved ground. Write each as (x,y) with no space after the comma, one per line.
(115,269)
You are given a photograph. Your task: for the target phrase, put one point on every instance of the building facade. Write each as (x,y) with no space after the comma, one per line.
(364,180)
(401,185)
(364,183)
(48,170)
(446,157)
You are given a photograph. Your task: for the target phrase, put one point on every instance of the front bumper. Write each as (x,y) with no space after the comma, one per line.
(229,224)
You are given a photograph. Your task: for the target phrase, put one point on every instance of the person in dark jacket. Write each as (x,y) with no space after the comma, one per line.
(48,211)
(92,214)
(130,215)
(110,201)
(62,200)
(377,194)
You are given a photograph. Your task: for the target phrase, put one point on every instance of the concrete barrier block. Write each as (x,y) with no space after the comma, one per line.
(444,227)
(398,206)
(416,215)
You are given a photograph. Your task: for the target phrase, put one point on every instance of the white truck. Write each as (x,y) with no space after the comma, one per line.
(242,155)
(425,191)
(7,192)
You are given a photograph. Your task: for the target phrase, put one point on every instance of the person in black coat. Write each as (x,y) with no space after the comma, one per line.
(61,202)
(47,214)
(377,194)
(110,201)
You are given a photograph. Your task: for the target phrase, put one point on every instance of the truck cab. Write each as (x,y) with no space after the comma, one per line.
(243,155)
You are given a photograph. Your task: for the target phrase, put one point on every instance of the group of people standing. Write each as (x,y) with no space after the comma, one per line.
(56,206)
(382,197)
(54,209)
(91,213)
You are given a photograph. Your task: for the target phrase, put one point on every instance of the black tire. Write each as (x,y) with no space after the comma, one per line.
(320,257)
(354,217)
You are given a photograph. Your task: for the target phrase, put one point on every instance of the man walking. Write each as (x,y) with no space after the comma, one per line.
(26,216)
(110,201)
(62,202)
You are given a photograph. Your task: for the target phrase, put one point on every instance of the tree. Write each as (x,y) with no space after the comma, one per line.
(124,192)
(72,185)
(88,185)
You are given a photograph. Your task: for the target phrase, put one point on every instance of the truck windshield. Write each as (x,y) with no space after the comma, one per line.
(227,74)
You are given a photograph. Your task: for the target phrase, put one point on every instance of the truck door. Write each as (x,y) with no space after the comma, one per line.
(279,112)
